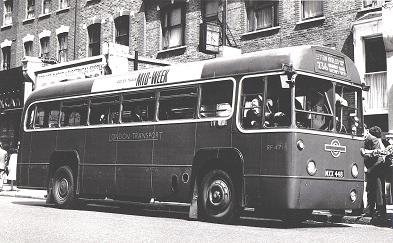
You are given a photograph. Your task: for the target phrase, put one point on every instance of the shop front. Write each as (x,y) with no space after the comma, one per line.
(11,105)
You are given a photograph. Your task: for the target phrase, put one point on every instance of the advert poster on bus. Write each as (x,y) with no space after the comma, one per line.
(150,77)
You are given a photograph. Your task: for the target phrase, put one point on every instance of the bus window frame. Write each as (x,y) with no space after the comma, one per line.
(156,89)
(291,128)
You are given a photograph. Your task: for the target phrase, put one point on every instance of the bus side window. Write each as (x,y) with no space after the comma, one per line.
(178,104)
(47,115)
(252,102)
(216,99)
(30,117)
(74,113)
(138,107)
(103,110)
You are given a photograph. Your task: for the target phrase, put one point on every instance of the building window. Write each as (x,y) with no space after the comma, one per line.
(63,4)
(28,48)
(374,3)
(6,60)
(44,42)
(172,27)
(30,9)
(211,10)
(122,25)
(94,31)
(62,55)
(46,4)
(261,15)
(312,9)
(7,20)
(375,55)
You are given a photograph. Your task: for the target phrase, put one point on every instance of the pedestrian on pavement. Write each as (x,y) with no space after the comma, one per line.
(12,163)
(3,164)
(375,175)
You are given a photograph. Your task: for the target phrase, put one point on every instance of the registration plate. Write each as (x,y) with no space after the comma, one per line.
(334,173)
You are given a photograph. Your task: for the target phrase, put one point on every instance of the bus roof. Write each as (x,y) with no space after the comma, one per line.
(310,59)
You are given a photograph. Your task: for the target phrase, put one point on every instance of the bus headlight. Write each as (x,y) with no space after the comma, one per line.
(311,167)
(353,195)
(300,144)
(355,170)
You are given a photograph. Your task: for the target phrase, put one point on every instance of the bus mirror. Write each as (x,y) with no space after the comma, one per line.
(284,81)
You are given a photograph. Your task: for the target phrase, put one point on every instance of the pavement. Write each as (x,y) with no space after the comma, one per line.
(318,215)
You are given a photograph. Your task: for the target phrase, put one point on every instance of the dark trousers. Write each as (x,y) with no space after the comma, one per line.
(375,188)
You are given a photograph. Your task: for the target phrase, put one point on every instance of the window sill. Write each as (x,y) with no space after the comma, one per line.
(261,31)
(62,10)
(3,27)
(28,20)
(311,20)
(41,16)
(172,49)
(379,8)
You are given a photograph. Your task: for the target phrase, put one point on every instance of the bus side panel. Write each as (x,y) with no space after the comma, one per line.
(43,143)
(172,156)
(265,156)
(134,160)
(213,135)
(73,140)
(23,160)
(98,172)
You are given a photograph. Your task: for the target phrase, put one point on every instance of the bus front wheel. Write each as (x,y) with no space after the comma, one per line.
(64,187)
(218,199)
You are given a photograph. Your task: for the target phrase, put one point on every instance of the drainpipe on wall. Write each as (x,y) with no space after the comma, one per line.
(75,25)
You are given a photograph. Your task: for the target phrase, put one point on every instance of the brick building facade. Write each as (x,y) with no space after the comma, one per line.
(170,30)
(331,27)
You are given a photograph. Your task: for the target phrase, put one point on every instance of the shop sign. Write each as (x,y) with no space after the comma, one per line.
(71,71)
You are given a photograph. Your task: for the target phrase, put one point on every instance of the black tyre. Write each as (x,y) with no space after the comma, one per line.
(218,200)
(64,188)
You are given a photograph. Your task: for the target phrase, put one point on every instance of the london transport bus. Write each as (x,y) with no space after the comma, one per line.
(275,131)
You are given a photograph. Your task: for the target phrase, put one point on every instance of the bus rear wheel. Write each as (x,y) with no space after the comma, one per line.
(218,198)
(64,187)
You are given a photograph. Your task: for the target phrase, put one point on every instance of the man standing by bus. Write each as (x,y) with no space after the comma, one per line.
(3,164)
(375,175)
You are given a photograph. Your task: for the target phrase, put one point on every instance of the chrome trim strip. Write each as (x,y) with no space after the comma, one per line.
(303,177)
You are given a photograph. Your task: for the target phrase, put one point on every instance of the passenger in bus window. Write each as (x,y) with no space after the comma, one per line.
(253,115)
(136,115)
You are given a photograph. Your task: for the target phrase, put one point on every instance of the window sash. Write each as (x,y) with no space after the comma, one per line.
(62,47)
(30,9)
(28,48)
(7,13)
(312,9)
(261,16)
(122,25)
(173,31)
(63,4)
(6,62)
(374,3)
(46,6)
(94,39)
(45,47)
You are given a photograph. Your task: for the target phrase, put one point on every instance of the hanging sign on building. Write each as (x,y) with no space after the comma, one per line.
(85,68)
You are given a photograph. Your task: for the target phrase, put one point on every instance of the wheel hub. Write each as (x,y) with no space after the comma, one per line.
(63,187)
(219,193)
